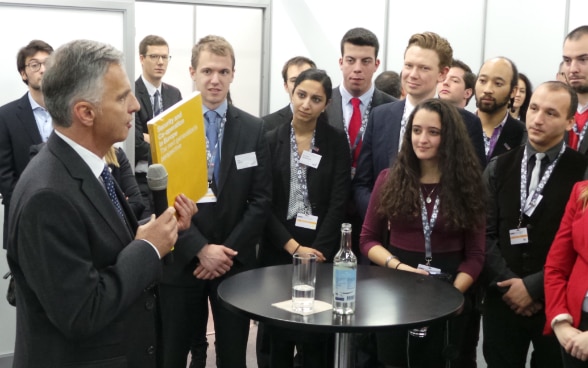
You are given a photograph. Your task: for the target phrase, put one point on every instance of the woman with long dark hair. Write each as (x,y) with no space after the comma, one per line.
(522,98)
(432,204)
(311,175)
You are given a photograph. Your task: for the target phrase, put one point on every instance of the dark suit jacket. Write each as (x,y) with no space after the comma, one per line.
(277,118)
(18,132)
(514,133)
(335,108)
(84,285)
(169,94)
(380,147)
(124,176)
(526,261)
(328,191)
(238,217)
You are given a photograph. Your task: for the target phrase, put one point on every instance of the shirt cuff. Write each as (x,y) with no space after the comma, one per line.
(562,318)
(152,246)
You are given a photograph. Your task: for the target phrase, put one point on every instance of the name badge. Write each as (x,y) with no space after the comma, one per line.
(310,159)
(306,221)
(431,270)
(209,197)
(246,160)
(530,206)
(518,236)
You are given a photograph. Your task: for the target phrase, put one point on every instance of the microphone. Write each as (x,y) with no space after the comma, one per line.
(157,183)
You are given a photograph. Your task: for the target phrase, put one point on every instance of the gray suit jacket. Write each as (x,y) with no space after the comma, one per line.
(335,108)
(85,294)
(169,94)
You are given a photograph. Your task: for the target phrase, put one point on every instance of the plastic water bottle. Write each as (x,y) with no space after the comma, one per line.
(344,275)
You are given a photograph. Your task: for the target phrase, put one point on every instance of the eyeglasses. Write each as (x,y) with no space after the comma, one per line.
(35,65)
(155,57)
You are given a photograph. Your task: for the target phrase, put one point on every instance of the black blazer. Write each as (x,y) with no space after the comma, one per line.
(169,94)
(513,134)
(328,191)
(84,285)
(238,217)
(18,132)
(277,118)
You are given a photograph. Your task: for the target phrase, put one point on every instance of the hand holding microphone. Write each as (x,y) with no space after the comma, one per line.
(157,182)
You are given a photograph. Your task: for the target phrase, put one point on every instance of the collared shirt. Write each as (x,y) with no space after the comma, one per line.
(582,109)
(96,165)
(348,107)
(151,90)
(42,118)
(221,111)
(497,131)
(550,155)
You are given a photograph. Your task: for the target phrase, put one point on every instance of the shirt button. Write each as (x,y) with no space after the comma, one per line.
(149,305)
(151,350)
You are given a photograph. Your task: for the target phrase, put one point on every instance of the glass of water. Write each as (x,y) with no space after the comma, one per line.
(303,281)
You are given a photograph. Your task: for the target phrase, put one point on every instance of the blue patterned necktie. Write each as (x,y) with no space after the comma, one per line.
(212,136)
(109,185)
(156,105)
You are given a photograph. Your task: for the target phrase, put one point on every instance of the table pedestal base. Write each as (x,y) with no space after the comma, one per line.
(344,350)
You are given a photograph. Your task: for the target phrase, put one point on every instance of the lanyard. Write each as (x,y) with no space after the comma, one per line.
(359,136)
(541,184)
(211,154)
(579,134)
(428,225)
(301,169)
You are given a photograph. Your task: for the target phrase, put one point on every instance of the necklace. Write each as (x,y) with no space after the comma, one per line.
(428,196)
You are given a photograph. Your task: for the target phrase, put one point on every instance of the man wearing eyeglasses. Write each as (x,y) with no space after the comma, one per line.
(154,96)
(24,122)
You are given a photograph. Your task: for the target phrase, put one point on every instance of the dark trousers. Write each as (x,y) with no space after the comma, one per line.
(184,318)
(507,337)
(184,313)
(568,360)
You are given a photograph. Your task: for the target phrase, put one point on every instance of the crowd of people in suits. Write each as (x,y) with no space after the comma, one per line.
(492,202)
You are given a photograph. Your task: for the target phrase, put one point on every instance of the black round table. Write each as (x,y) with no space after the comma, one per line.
(385,299)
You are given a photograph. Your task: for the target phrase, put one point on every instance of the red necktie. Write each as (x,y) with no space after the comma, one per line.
(354,125)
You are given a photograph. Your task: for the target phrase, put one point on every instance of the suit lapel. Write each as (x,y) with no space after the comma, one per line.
(232,131)
(394,124)
(583,149)
(283,155)
(91,187)
(27,119)
(144,98)
(335,110)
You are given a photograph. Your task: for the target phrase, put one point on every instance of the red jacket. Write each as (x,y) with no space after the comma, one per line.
(566,267)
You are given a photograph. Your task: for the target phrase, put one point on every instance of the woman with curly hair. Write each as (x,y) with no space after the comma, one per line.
(432,204)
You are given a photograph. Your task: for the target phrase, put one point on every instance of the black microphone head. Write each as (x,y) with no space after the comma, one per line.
(157,177)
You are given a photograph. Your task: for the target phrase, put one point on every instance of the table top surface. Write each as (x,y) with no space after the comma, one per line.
(386,298)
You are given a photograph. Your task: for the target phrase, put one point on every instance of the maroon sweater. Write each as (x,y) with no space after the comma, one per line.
(408,235)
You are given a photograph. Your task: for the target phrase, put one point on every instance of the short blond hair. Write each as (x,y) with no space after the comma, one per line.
(215,44)
(432,41)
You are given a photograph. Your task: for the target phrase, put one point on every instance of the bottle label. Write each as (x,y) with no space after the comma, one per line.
(344,284)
